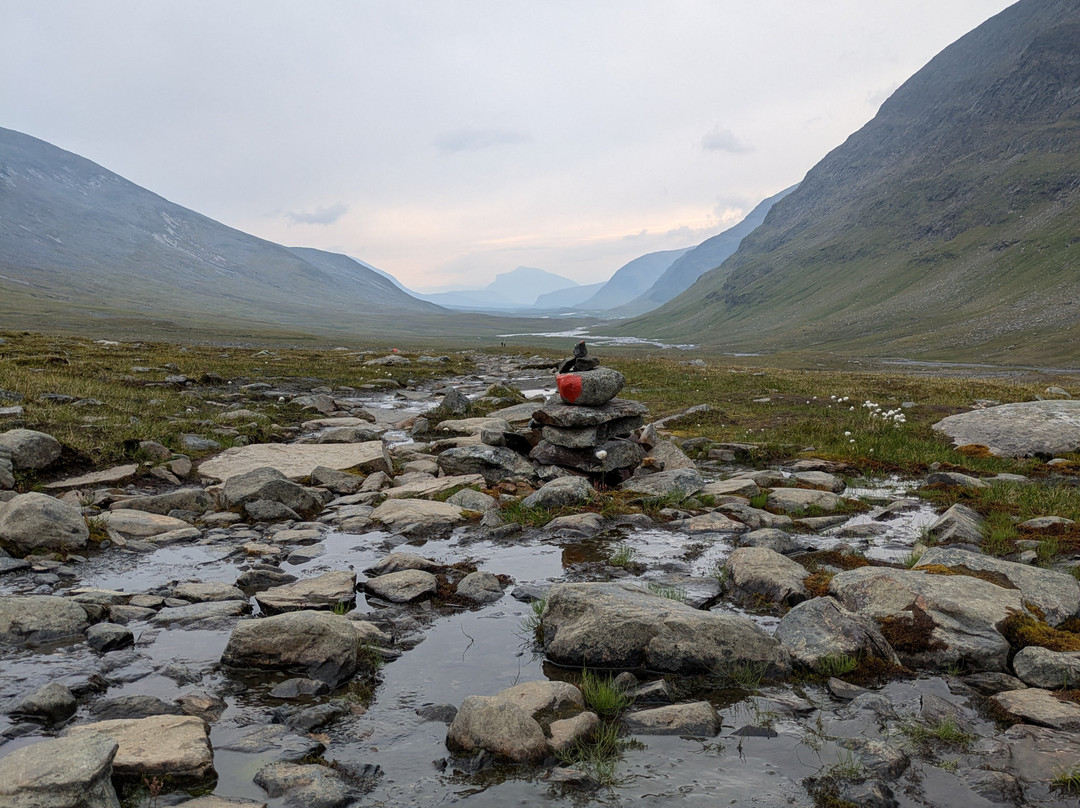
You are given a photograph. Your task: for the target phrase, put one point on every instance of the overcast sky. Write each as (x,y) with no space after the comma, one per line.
(445,141)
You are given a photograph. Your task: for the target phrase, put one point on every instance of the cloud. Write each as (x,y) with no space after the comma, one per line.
(723,140)
(321,215)
(474,139)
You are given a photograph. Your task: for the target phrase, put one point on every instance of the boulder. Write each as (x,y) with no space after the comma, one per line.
(821,627)
(106,637)
(958,524)
(298,460)
(1050,670)
(414,516)
(30,450)
(621,625)
(698,718)
(269,484)
(608,456)
(40,619)
(51,704)
(503,729)
(403,587)
(932,620)
(589,388)
(317,645)
(321,592)
(494,463)
(307,784)
(172,746)
(396,562)
(560,493)
(1025,429)
(60,773)
(1057,594)
(758,572)
(471,500)
(678,483)
(480,587)
(338,482)
(35,521)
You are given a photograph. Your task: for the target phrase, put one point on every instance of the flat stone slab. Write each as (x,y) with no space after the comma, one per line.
(60,772)
(794,500)
(417,514)
(297,460)
(322,592)
(106,477)
(423,489)
(176,746)
(567,415)
(1035,706)
(1018,430)
(141,524)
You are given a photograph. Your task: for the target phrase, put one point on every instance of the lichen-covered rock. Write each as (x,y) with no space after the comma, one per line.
(61,773)
(1036,706)
(269,484)
(679,483)
(1051,670)
(1018,430)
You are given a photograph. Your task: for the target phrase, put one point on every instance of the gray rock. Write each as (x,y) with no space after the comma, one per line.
(30,450)
(199,592)
(732,487)
(956,478)
(758,572)
(403,587)
(186,499)
(1018,430)
(270,484)
(61,773)
(35,521)
(318,645)
(339,482)
(590,388)
(40,619)
(480,587)
(821,627)
(565,415)
(105,637)
(1057,594)
(297,460)
(213,615)
(266,510)
(396,562)
(132,524)
(583,437)
(878,759)
(297,688)
(1051,670)
(712,522)
(494,463)
(307,785)
(283,742)
(796,500)
(52,703)
(418,516)
(989,683)
(771,538)
(998,787)
(427,486)
(136,706)
(608,456)
(1036,706)
(958,524)
(177,746)
(932,620)
(321,592)
(698,718)
(504,729)
(560,493)
(620,625)
(680,483)
(197,443)
(351,434)
(821,480)
(756,519)
(7,472)
(471,500)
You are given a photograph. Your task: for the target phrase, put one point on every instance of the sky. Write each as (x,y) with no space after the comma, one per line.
(446,141)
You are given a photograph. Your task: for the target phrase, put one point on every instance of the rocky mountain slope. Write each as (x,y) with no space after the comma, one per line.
(944,227)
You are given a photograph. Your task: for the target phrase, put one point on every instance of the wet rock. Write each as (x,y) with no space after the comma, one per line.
(263,578)
(213,801)
(577,524)
(444,713)
(186,499)
(321,592)
(285,744)
(199,592)
(846,691)
(269,484)
(1057,594)
(932,620)
(201,704)
(1026,429)
(1036,706)
(61,773)
(299,688)
(757,572)
(35,521)
(136,706)
(30,450)
(306,785)
(958,524)
(174,746)
(989,683)
(494,463)
(995,786)
(40,619)
(123,615)
(561,492)
(797,500)
(697,718)
(567,732)
(821,627)
(1052,670)
(403,587)
(212,615)
(878,759)
(318,645)
(105,637)
(416,516)
(480,587)
(52,704)
(131,524)
(621,625)
(297,460)
(396,562)
(679,483)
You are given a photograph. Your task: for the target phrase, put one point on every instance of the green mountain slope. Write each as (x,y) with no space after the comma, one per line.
(948,226)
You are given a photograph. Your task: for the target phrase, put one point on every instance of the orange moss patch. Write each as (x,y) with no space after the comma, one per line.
(817,583)
(990,576)
(975,450)
(1022,629)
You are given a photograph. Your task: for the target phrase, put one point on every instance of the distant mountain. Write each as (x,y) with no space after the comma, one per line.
(572,298)
(632,280)
(947,226)
(517,289)
(77,237)
(711,253)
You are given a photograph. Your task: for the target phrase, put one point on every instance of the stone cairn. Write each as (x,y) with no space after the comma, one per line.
(588,429)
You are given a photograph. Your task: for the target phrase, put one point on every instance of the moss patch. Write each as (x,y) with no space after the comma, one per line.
(911,635)
(1022,629)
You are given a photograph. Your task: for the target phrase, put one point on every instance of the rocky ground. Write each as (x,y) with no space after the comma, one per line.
(395,605)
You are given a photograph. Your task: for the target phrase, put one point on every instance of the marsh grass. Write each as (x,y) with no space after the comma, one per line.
(743,675)
(623,556)
(676,593)
(945,732)
(532,624)
(836,665)
(599,756)
(1068,780)
(602,695)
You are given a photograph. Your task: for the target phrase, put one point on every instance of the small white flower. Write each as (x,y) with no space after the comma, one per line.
(600,454)
(847,434)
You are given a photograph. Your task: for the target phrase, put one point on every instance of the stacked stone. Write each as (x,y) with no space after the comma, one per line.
(589,429)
